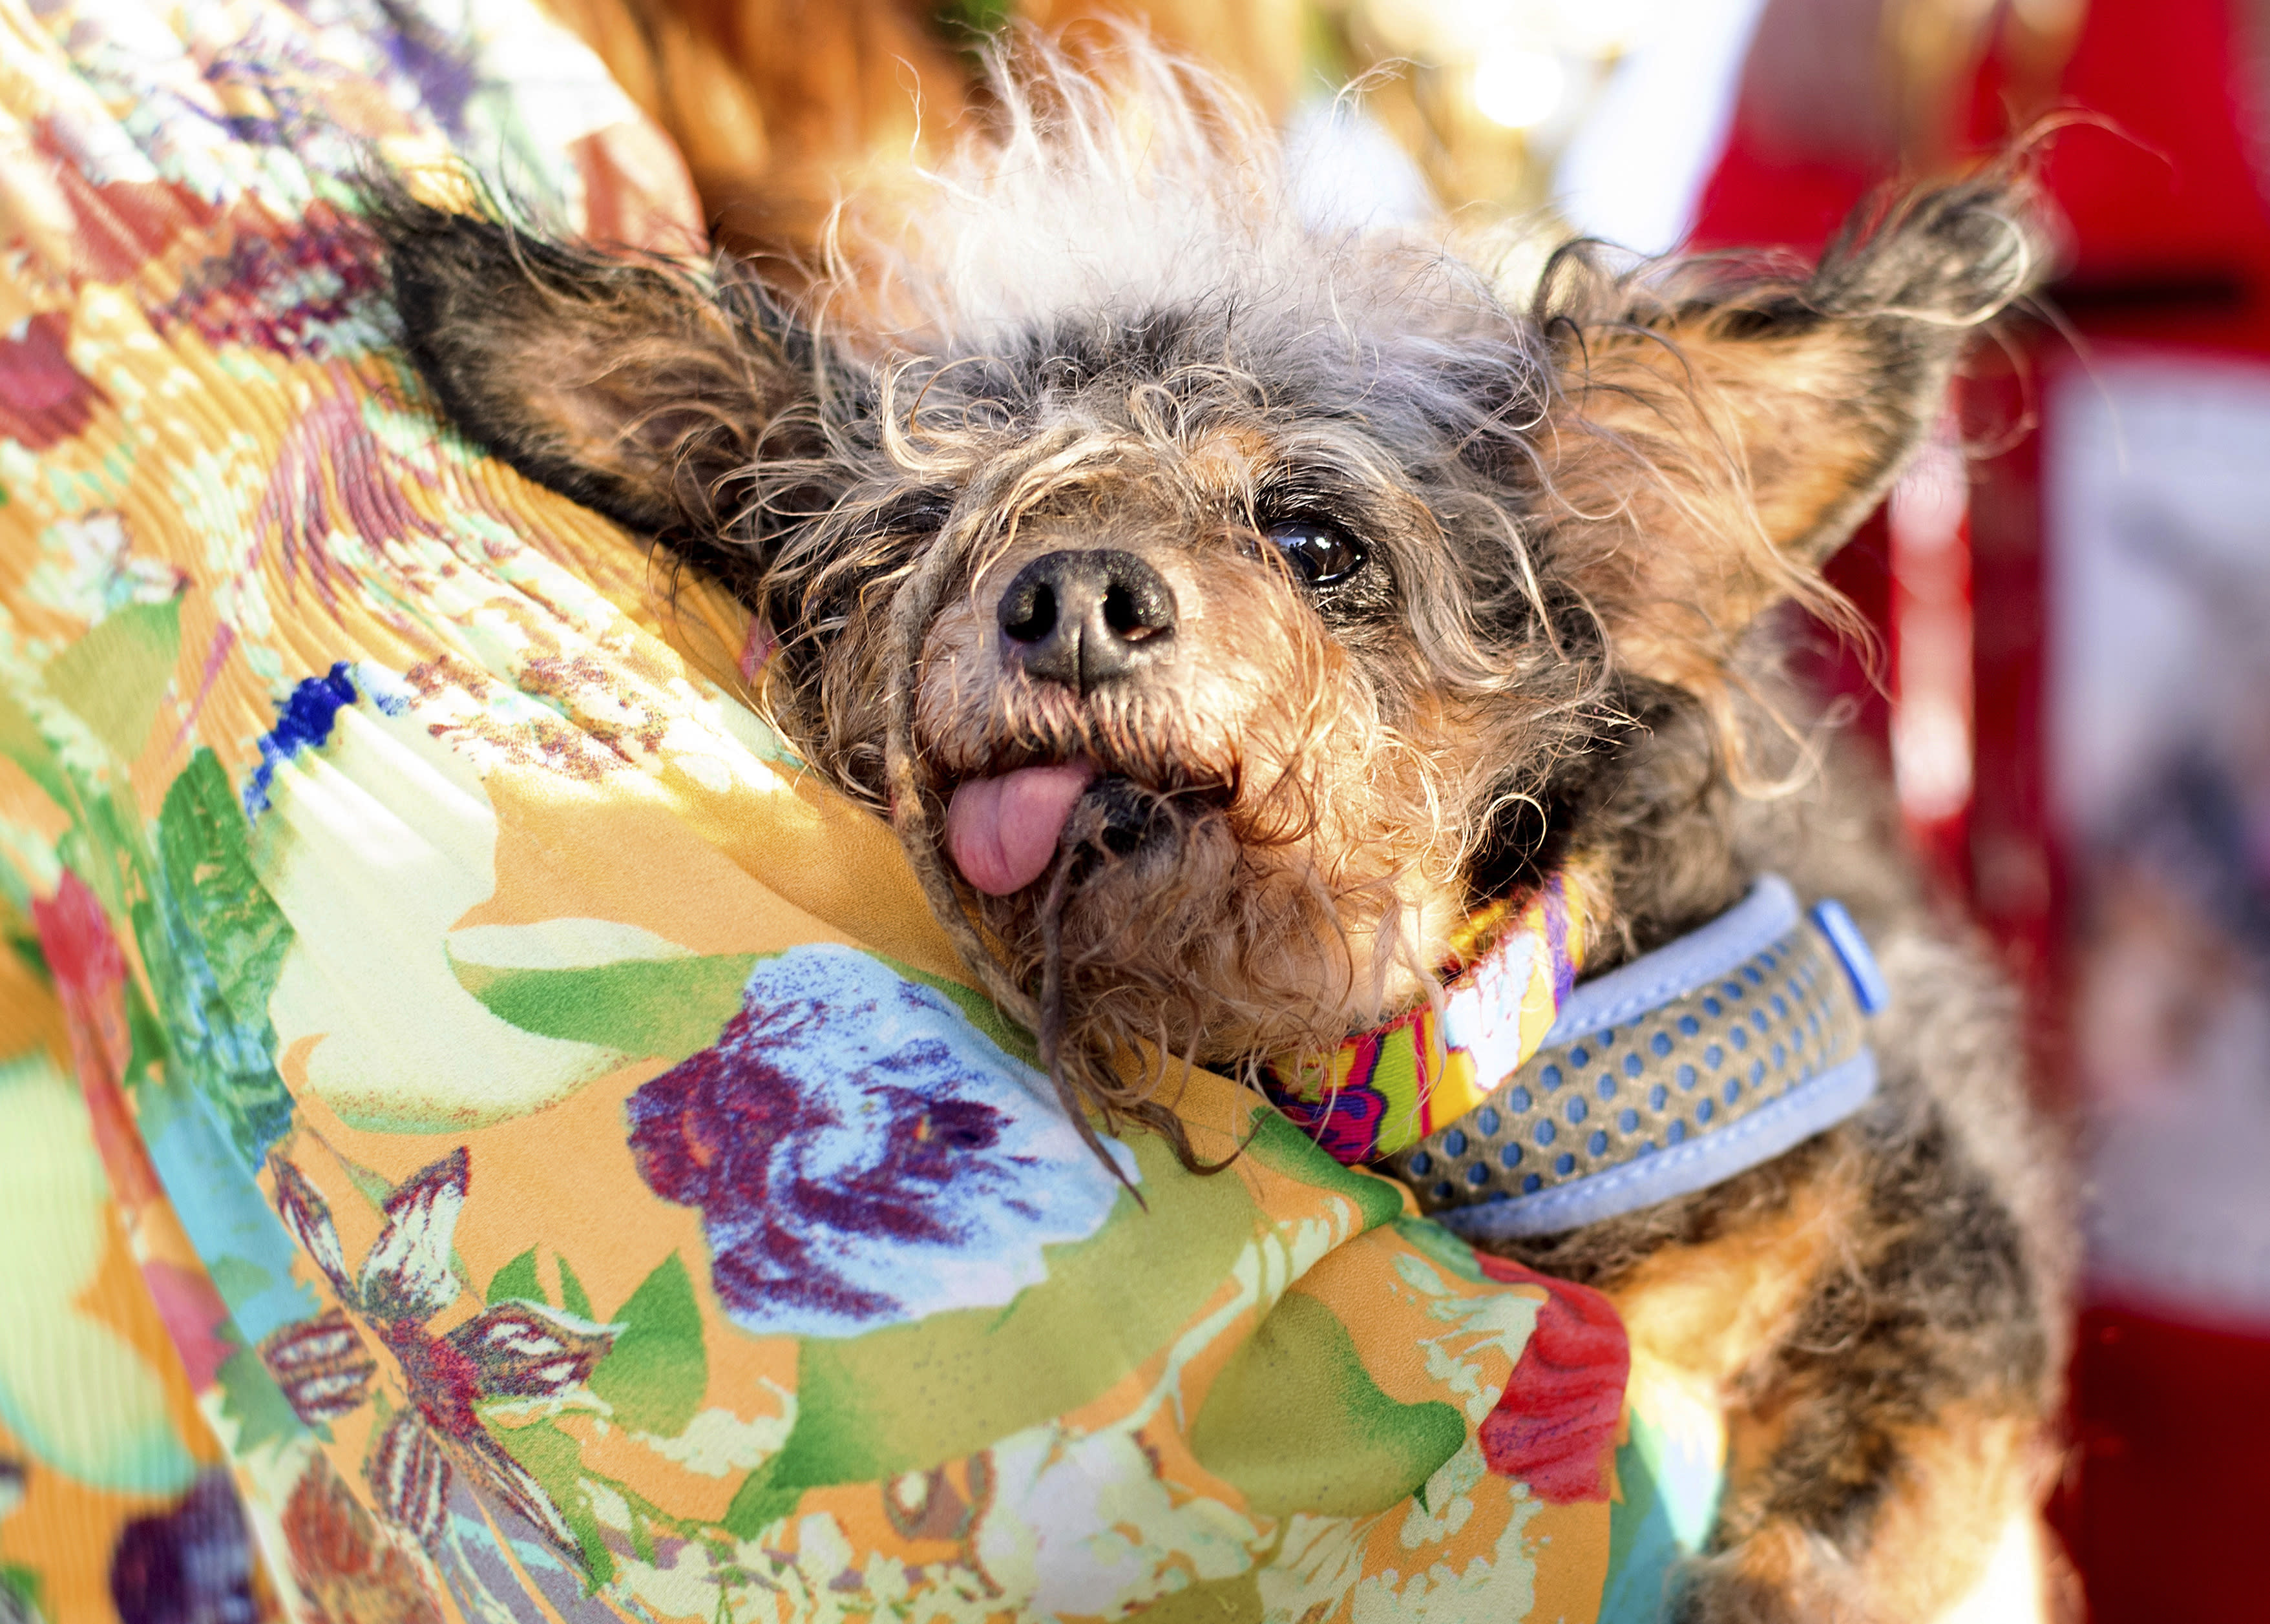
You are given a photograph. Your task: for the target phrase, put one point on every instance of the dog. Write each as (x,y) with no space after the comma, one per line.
(1225,613)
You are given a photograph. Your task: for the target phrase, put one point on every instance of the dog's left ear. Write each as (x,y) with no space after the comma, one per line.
(640,387)
(1716,433)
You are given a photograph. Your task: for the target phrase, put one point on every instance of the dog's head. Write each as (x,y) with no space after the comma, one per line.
(1221,608)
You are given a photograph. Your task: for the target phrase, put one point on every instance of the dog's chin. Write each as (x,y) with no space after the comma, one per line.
(1168,922)
(1168,931)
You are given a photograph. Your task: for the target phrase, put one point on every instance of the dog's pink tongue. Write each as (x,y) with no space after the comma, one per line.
(1001,832)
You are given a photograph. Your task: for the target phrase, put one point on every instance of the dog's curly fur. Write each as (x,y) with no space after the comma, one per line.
(1577,494)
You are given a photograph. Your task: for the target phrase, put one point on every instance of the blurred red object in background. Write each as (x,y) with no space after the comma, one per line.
(2166,257)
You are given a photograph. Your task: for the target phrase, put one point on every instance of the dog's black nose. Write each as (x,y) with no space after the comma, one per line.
(1084,618)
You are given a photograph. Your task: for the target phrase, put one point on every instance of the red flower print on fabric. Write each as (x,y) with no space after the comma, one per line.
(509,1350)
(1554,1427)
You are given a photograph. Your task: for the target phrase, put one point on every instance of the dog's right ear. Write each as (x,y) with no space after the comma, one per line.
(639,387)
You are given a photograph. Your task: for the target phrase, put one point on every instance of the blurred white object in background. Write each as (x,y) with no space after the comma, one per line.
(1625,100)
(2157,484)
(1516,86)
(2158,527)
(1346,174)
(1932,633)
(1635,168)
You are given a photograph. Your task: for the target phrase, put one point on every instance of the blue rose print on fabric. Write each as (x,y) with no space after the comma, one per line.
(862,1154)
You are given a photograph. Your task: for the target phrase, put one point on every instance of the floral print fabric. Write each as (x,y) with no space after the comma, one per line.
(482,1136)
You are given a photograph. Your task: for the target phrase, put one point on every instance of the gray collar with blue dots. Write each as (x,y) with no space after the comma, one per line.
(1706,1057)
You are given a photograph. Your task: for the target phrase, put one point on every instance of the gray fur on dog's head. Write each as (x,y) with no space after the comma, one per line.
(1102,328)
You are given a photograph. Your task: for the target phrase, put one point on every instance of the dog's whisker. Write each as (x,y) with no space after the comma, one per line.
(1049,1031)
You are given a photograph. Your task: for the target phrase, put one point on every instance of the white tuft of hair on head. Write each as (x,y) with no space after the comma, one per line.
(1121,182)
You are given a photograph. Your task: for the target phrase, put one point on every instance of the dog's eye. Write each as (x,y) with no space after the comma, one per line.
(1319,553)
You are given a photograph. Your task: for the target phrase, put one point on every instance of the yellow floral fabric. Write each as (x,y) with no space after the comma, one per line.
(482,1136)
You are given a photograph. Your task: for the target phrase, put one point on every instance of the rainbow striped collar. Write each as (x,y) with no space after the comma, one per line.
(1385,1090)
(1521,1104)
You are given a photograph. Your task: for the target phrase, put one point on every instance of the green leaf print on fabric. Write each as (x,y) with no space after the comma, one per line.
(1235,1600)
(668,1008)
(573,1297)
(911,1396)
(1282,1148)
(202,1060)
(225,941)
(516,1282)
(21,1582)
(250,1397)
(22,743)
(1440,1247)
(114,677)
(556,1462)
(657,1374)
(1300,1378)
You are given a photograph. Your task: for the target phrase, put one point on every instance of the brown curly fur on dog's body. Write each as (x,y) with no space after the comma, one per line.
(1109,332)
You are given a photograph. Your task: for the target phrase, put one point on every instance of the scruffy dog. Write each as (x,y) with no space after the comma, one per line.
(1225,611)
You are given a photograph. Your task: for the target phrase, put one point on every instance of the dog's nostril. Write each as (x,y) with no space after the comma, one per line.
(1133,614)
(1029,615)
